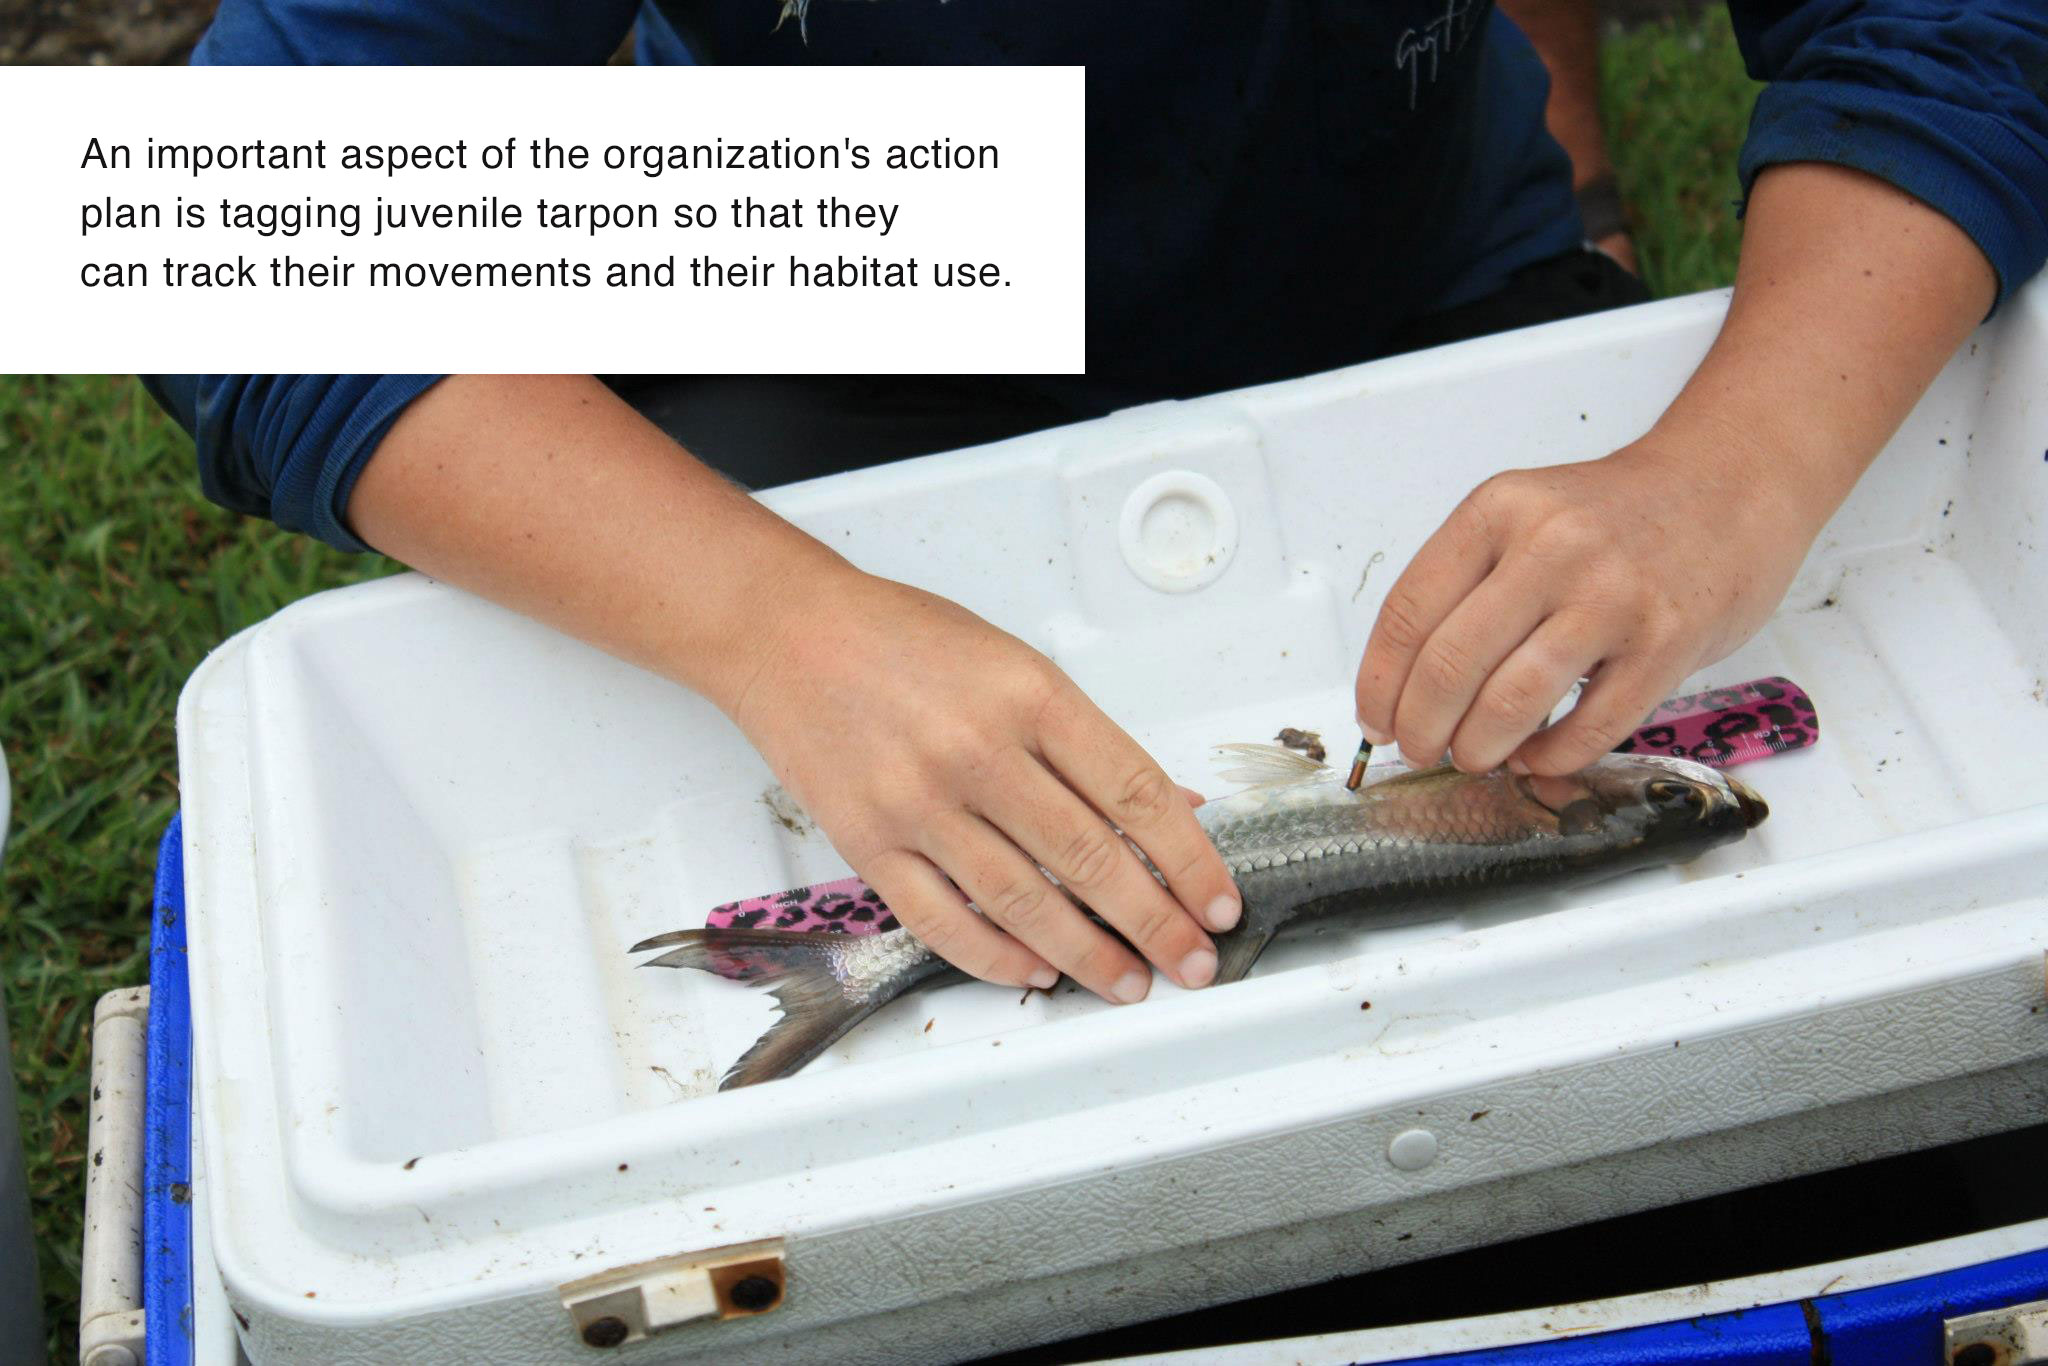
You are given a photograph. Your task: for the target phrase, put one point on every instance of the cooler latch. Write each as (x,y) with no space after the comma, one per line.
(2014,1336)
(639,1301)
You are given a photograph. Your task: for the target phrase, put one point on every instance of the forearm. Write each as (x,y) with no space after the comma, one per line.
(974,762)
(1849,297)
(549,495)
(1566,34)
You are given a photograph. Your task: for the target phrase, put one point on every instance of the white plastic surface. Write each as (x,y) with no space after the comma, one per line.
(1178,531)
(214,1342)
(421,832)
(111,1330)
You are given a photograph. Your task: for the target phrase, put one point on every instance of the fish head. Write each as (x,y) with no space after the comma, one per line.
(1675,807)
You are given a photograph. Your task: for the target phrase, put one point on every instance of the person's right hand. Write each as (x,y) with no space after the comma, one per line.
(929,745)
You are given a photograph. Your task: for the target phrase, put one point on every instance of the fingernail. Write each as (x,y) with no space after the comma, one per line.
(1223,913)
(1131,987)
(1374,734)
(1198,969)
(1045,979)
(1516,764)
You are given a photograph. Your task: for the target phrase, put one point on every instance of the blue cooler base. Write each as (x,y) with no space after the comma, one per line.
(167,1139)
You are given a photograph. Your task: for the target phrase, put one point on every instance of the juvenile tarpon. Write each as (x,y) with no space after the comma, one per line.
(1300,845)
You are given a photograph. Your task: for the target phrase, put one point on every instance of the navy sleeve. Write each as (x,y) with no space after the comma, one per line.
(287,447)
(413,32)
(1947,101)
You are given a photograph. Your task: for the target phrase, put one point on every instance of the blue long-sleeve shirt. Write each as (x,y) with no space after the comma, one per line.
(1274,186)
(287,447)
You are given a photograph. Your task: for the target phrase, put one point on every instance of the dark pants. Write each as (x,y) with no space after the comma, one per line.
(765,430)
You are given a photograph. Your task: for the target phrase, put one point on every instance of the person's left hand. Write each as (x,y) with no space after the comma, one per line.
(1635,570)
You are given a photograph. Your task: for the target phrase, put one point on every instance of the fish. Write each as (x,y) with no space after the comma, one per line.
(1406,846)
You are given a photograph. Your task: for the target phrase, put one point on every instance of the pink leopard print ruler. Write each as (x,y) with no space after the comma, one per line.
(846,906)
(1722,727)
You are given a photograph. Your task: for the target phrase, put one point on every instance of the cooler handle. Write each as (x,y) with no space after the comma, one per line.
(110,1318)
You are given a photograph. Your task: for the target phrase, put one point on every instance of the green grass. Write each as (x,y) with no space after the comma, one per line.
(119,578)
(1676,101)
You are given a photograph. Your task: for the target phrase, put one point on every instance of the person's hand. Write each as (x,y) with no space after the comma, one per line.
(1634,570)
(1637,569)
(929,745)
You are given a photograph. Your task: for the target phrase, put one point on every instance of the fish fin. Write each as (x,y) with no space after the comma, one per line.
(1581,817)
(662,941)
(817,1008)
(1238,950)
(1267,765)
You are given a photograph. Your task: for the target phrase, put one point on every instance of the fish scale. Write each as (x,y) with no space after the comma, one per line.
(1412,846)
(1421,842)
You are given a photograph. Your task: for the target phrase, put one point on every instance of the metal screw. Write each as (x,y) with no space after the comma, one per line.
(608,1331)
(754,1294)
(1975,1354)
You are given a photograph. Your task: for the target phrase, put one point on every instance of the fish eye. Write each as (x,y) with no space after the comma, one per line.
(1669,795)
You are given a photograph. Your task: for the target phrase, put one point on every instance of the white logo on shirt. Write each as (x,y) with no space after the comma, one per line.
(1439,38)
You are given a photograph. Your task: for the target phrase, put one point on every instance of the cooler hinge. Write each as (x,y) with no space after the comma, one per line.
(634,1302)
(2014,1336)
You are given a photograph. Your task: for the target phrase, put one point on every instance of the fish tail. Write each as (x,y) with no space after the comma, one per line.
(1238,950)
(798,970)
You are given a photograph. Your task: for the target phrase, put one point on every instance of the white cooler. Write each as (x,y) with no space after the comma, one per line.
(439,1116)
